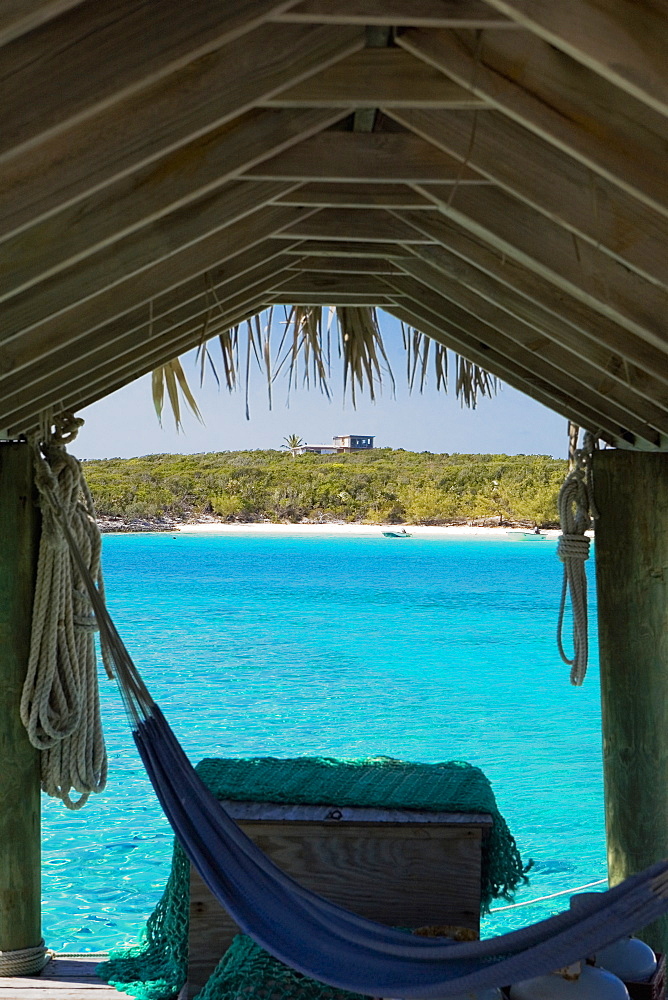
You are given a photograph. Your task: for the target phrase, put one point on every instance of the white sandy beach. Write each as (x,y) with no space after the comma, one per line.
(349,530)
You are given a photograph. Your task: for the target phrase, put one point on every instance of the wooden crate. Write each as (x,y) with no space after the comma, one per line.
(398,867)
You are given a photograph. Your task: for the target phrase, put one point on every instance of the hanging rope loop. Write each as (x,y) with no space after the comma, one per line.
(60,702)
(576,510)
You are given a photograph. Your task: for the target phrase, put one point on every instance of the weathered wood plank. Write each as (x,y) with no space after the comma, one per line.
(576,266)
(517,341)
(374,225)
(20,16)
(356,196)
(345,265)
(327,299)
(412,874)
(100,53)
(64,978)
(422,13)
(261,811)
(327,248)
(372,78)
(139,130)
(560,100)
(322,283)
(169,184)
(543,294)
(546,178)
(631,495)
(20,843)
(380,157)
(621,40)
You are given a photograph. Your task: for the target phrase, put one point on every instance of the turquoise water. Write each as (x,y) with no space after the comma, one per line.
(426,649)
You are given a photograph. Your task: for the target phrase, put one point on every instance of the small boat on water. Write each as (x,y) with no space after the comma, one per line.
(396,534)
(527,536)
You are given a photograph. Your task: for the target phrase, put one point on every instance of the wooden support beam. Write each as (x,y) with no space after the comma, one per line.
(345,265)
(17,17)
(130,204)
(334,285)
(577,267)
(564,103)
(483,294)
(329,248)
(142,288)
(421,13)
(146,126)
(631,495)
(20,902)
(327,299)
(549,180)
(373,226)
(101,53)
(547,297)
(378,157)
(356,196)
(506,351)
(377,77)
(621,40)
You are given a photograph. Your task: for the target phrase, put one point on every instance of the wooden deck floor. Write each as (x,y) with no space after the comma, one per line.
(64,978)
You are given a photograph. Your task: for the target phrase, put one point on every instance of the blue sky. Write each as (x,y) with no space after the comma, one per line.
(125,423)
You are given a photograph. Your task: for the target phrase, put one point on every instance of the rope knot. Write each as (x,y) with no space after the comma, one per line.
(573,547)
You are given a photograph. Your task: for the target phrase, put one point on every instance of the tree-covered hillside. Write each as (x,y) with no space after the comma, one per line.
(380,485)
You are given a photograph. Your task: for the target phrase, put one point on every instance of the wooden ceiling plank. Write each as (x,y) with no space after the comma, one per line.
(550,181)
(375,225)
(356,196)
(99,53)
(621,40)
(327,248)
(561,101)
(289,283)
(520,378)
(129,136)
(180,178)
(563,357)
(322,299)
(378,157)
(143,287)
(146,249)
(377,77)
(575,266)
(538,302)
(345,265)
(17,17)
(422,13)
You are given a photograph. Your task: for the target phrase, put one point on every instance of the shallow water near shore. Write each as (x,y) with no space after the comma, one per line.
(425,649)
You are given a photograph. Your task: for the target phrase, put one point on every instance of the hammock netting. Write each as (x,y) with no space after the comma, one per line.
(157,969)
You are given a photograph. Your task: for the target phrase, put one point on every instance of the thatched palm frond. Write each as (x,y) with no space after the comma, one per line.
(304,352)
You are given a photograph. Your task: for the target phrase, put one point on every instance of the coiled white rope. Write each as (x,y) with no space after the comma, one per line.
(24,961)
(576,509)
(60,700)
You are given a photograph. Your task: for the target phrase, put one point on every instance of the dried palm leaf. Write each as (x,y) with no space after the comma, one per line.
(362,350)
(172,377)
(472,382)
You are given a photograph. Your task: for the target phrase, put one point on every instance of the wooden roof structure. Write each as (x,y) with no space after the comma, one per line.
(492,172)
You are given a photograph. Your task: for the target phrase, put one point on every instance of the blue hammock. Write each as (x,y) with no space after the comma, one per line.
(322,940)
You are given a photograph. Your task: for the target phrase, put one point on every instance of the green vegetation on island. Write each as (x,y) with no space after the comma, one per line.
(377,485)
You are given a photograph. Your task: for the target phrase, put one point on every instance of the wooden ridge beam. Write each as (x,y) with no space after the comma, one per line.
(554,183)
(564,103)
(642,351)
(378,157)
(142,288)
(621,40)
(128,205)
(144,127)
(413,310)
(17,17)
(539,330)
(375,77)
(375,225)
(99,53)
(329,248)
(421,13)
(520,340)
(324,195)
(575,266)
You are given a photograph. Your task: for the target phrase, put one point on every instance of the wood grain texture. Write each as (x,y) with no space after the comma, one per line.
(20,845)
(64,978)
(424,13)
(374,225)
(325,195)
(20,16)
(407,875)
(631,494)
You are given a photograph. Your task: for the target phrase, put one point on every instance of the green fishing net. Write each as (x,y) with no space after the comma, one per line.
(157,968)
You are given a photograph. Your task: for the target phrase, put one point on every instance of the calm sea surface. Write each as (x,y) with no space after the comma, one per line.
(427,650)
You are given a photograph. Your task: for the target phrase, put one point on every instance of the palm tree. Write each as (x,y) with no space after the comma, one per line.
(292,443)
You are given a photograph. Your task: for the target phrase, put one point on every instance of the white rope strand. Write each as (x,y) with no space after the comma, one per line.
(60,703)
(576,508)
(24,961)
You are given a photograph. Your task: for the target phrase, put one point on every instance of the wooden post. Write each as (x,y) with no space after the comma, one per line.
(20,916)
(631,493)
